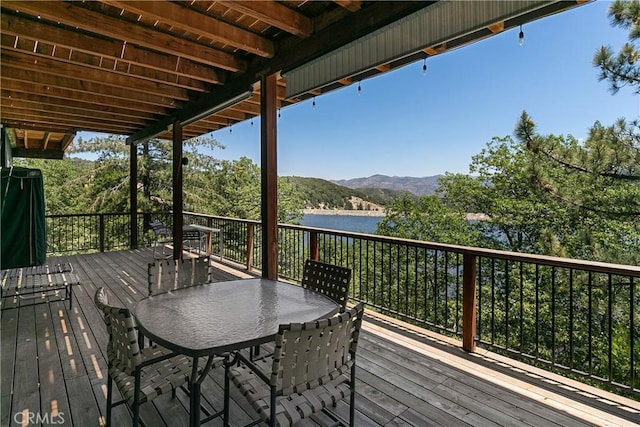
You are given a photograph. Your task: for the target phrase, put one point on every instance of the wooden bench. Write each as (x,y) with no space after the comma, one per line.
(38,283)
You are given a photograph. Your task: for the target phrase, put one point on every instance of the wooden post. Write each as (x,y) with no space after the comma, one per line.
(269,176)
(133,197)
(250,240)
(177,191)
(469,302)
(313,246)
(101,232)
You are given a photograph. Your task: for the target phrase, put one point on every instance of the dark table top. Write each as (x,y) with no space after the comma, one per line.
(219,317)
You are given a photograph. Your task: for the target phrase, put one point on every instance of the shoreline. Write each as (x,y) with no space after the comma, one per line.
(343,212)
(377,214)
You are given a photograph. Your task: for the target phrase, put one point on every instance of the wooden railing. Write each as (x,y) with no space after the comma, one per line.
(577,316)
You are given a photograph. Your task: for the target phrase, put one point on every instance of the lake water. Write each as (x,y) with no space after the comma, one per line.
(357,224)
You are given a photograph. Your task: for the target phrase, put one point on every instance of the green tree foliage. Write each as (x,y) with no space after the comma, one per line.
(427,218)
(64,183)
(622,69)
(106,183)
(210,185)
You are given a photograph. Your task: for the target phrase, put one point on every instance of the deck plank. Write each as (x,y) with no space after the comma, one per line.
(403,379)
(25,380)
(53,389)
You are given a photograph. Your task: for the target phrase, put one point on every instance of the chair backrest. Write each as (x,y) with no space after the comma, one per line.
(161,276)
(328,279)
(193,271)
(123,351)
(311,354)
(169,275)
(159,228)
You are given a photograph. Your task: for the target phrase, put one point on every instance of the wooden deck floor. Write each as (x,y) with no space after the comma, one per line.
(53,365)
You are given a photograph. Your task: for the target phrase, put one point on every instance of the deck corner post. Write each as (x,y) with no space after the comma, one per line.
(469,303)
(313,246)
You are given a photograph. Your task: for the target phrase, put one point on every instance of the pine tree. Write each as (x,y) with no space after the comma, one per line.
(622,69)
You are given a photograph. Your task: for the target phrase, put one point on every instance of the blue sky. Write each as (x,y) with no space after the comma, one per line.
(405,123)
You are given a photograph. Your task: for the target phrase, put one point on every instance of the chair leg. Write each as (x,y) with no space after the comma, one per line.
(272,407)
(352,397)
(136,399)
(109,399)
(225,411)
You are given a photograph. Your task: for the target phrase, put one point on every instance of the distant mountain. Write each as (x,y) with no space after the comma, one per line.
(418,186)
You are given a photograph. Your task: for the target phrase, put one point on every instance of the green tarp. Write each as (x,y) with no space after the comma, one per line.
(23,237)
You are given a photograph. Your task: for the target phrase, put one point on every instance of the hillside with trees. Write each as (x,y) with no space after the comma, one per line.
(322,194)
(424,186)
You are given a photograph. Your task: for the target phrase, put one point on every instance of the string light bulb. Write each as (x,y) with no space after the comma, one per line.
(521,36)
(359,88)
(424,67)
(313,104)
(278,113)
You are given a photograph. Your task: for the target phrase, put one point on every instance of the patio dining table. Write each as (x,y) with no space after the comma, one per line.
(215,319)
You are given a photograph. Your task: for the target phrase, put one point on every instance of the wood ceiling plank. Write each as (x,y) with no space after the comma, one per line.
(78,58)
(50,123)
(89,117)
(275,14)
(12,90)
(53,67)
(43,84)
(111,49)
(86,113)
(77,16)
(192,21)
(13,124)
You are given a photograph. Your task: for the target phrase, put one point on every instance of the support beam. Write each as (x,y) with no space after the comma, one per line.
(269,176)
(177,191)
(133,195)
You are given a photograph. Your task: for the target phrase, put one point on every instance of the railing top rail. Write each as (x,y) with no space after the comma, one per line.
(248,221)
(594,266)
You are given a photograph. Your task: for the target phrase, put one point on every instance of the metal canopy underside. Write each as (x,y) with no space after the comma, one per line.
(443,26)
(136,67)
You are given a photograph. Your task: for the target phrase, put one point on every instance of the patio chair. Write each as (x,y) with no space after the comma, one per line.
(162,234)
(141,375)
(327,279)
(313,367)
(169,275)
